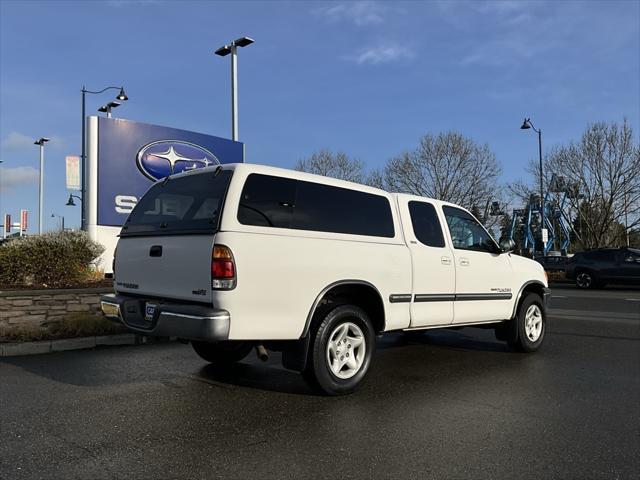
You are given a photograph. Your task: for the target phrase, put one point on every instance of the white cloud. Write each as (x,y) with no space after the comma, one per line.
(360,13)
(19,141)
(17,177)
(499,7)
(383,54)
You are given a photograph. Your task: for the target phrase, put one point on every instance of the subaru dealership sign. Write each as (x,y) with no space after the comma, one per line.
(132,156)
(125,158)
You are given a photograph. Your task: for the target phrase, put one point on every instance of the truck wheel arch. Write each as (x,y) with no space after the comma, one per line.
(534,286)
(355,292)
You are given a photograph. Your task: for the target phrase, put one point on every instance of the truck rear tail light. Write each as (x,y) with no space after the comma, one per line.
(223,268)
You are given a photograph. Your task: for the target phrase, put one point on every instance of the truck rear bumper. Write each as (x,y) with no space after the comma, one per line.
(168,319)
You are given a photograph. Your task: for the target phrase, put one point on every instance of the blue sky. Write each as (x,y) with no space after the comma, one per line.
(368,78)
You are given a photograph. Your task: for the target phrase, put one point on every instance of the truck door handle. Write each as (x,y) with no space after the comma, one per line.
(445,260)
(155,251)
(464,262)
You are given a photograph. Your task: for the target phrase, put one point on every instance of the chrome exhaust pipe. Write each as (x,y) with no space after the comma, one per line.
(262,353)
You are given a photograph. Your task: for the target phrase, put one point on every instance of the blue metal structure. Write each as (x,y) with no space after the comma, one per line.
(557,222)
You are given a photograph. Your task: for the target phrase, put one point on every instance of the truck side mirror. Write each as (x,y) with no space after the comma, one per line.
(507,244)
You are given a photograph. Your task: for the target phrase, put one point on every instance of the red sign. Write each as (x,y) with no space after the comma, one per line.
(23,220)
(7,223)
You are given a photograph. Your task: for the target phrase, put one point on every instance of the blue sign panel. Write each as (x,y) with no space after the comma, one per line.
(133,156)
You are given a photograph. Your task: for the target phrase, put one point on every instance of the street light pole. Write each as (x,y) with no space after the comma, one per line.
(41,143)
(525,126)
(626,212)
(82,159)
(232,49)
(234,93)
(121,96)
(61,217)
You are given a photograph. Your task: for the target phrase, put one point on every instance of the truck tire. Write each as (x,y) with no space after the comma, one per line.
(530,323)
(222,352)
(341,350)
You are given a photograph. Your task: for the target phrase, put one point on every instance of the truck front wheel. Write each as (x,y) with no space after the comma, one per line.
(531,323)
(222,352)
(341,350)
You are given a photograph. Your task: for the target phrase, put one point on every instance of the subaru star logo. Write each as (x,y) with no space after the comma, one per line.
(160,159)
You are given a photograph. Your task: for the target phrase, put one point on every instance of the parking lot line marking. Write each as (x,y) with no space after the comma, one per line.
(632,299)
(559,296)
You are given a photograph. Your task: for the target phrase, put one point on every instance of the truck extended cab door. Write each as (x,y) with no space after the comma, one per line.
(432,263)
(484,276)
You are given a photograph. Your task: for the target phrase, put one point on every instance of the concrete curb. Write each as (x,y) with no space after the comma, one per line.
(64,344)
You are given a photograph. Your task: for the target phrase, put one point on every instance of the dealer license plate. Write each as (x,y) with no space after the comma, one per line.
(149,311)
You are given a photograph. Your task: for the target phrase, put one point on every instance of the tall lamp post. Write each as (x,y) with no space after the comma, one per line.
(41,143)
(121,96)
(527,124)
(61,217)
(232,49)
(626,211)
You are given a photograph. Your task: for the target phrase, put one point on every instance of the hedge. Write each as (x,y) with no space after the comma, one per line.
(50,260)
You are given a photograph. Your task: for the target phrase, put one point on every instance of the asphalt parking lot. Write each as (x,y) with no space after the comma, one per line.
(448,404)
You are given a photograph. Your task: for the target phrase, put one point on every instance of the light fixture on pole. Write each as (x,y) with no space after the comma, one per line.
(61,217)
(41,143)
(526,125)
(122,97)
(70,202)
(108,107)
(232,49)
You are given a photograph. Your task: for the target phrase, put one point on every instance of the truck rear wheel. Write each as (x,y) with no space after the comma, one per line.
(222,352)
(341,350)
(531,323)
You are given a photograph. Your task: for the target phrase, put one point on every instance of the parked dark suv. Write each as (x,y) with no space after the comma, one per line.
(553,263)
(596,268)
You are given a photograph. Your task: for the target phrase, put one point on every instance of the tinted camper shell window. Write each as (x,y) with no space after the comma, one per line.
(271,201)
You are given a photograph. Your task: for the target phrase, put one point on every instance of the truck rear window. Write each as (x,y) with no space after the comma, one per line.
(189,204)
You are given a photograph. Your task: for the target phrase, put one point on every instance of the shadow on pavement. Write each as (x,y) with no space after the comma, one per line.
(261,376)
(169,363)
(458,339)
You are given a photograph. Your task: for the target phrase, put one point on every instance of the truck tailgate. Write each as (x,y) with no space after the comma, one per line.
(171,266)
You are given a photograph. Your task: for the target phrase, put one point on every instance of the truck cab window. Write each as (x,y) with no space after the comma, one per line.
(467,233)
(426,225)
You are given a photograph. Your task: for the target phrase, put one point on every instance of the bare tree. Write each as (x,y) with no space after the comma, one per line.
(601,175)
(447,166)
(338,165)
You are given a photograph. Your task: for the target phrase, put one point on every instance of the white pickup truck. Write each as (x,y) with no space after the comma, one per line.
(243,256)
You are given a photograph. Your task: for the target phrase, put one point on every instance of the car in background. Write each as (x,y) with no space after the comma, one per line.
(553,263)
(596,268)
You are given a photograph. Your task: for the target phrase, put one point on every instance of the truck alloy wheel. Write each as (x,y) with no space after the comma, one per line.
(533,322)
(530,323)
(346,350)
(342,345)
